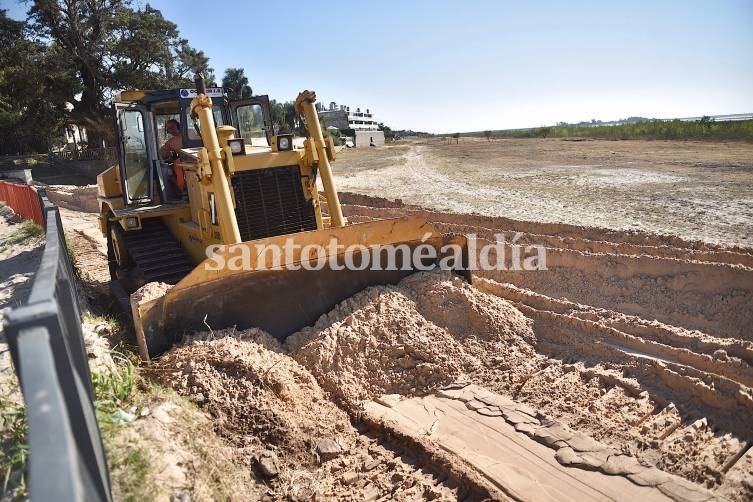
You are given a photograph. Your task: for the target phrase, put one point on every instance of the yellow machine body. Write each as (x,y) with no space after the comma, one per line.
(223,190)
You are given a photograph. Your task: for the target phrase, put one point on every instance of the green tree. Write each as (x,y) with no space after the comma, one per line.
(236,83)
(388,133)
(488,135)
(457,137)
(706,123)
(286,120)
(110,46)
(34,80)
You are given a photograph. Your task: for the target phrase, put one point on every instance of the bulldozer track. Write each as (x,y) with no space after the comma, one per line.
(425,462)
(156,255)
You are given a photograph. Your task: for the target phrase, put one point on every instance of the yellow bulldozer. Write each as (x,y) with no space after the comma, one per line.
(233,193)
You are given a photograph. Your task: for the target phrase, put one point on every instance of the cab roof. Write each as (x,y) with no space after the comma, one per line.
(150,97)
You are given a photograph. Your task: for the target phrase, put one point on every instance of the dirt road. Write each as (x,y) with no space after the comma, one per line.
(695,190)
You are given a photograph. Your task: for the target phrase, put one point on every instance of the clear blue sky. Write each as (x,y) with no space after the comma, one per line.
(460,66)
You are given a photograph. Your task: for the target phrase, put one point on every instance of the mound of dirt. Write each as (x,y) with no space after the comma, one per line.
(247,385)
(427,332)
(292,436)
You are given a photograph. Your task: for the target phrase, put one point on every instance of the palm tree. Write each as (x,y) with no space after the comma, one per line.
(236,84)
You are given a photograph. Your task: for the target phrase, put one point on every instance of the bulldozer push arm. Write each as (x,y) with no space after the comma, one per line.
(305,104)
(278,295)
(211,167)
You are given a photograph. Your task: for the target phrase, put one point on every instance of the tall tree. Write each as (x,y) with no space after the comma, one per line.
(286,120)
(236,83)
(80,28)
(388,133)
(111,46)
(144,50)
(34,79)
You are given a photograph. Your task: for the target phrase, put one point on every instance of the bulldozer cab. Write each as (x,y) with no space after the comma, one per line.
(141,119)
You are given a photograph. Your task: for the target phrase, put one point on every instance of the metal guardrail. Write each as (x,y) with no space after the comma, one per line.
(67,458)
(9,162)
(108,154)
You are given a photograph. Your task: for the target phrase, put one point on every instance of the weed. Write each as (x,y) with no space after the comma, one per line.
(29,230)
(14,450)
(114,387)
(114,325)
(71,255)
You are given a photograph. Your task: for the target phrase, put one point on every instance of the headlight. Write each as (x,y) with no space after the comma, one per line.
(237,146)
(284,142)
(132,222)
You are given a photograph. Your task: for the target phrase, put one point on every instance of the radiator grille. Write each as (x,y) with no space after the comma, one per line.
(270,202)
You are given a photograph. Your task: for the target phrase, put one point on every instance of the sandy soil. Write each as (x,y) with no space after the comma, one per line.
(18,263)
(696,190)
(639,340)
(276,414)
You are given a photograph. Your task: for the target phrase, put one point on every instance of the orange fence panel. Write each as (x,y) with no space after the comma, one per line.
(24,201)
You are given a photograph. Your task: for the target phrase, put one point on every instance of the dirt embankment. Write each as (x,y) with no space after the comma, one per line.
(690,284)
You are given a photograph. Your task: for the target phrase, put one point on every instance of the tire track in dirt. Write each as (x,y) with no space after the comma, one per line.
(282,423)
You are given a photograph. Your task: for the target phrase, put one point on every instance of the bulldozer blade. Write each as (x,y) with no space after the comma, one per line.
(281,301)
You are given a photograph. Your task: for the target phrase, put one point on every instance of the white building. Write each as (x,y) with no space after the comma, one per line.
(359,125)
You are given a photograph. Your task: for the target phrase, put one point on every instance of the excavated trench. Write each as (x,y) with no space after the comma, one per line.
(641,342)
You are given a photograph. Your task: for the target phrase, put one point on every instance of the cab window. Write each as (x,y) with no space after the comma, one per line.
(251,122)
(164,113)
(194,128)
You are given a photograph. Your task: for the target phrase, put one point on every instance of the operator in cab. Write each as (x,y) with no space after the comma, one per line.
(169,150)
(169,153)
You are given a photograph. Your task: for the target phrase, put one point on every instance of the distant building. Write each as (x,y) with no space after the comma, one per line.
(75,135)
(359,125)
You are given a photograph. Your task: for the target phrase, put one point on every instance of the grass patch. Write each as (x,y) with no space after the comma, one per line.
(29,230)
(130,469)
(14,450)
(71,255)
(29,161)
(114,325)
(114,388)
